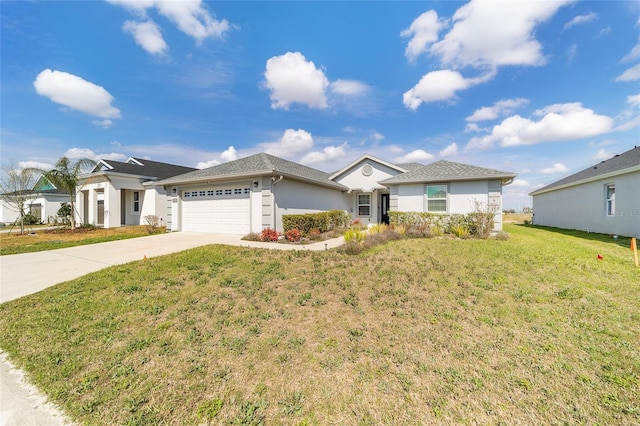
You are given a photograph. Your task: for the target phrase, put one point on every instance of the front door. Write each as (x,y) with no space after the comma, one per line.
(384,207)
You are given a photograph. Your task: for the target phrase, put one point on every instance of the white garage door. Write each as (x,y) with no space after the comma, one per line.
(225,210)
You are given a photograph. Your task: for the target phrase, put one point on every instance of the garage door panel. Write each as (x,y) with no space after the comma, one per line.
(228,214)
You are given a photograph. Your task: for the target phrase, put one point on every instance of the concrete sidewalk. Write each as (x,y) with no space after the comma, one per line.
(23,274)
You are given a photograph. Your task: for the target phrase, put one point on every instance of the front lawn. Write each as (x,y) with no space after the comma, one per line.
(531,330)
(61,237)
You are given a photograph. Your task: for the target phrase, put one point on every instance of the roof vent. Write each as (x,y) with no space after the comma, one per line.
(595,167)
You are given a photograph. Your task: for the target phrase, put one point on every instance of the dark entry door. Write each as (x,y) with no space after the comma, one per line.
(384,205)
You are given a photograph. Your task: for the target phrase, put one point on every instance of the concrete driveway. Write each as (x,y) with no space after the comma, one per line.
(24,274)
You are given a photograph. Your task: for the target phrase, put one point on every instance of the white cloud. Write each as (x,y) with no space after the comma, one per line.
(473,127)
(602,154)
(606,142)
(348,87)
(207,164)
(519,183)
(501,108)
(632,74)
(556,168)
(603,32)
(34,165)
(292,142)
(492,34)
(229,154)
(105,124)
(634,100)
(395,149)
(439,86)
(559,122)
(414,156)
(633,55)
(190,16)
(78,153)
(293,79)
(580,19)
(423,31)
(147,35)
(572,52)
(485,35)
(329,153)
(76,93)
(450,150)
(377,136)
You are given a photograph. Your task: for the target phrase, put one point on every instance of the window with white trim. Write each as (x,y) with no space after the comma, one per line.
(610,190)
(437,198)
(136,201)
(364,204)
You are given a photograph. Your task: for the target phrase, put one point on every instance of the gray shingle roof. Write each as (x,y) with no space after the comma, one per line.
(445,171)
(410,166)
(261,164)
(149,168)
(614,164)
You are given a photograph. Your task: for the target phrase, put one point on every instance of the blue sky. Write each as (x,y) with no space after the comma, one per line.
(540,88)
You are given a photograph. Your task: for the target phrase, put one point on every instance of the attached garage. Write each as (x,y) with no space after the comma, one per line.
(222,210)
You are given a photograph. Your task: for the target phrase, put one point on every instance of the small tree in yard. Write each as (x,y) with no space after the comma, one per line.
(483,218)
(65,176)
(16,189)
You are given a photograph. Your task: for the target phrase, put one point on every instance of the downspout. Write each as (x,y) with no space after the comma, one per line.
(273,191)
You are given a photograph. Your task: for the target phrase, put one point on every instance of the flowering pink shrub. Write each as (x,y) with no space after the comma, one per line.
(269,234)
(293,235)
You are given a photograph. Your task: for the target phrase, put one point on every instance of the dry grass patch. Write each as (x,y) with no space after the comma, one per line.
(441,331)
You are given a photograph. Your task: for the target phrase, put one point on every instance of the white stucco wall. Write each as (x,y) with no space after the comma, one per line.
(583,207)
(8,213)
(50,204)
(355,179)
(461,197)
(292,197)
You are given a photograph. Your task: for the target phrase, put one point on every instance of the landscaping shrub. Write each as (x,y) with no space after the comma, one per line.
(351,248)
(503,236)
(252,236)
(314,234)
(354,235)
(152,222)
(323,221)
(269,234)
(293,235)
(377,238)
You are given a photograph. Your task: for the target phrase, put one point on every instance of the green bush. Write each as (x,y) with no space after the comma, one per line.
(478,224)
(323,221)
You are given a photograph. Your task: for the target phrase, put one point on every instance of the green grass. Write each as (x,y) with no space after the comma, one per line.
(532,330)
(62,237)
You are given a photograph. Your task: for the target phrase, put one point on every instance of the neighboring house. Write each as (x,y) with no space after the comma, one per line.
(44,201)
(604,198)
(118,193)
(253,193)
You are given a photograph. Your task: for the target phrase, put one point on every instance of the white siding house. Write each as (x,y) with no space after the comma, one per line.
(604,198)
(255,192)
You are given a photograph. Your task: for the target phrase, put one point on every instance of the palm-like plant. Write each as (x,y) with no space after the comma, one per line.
(65,176)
